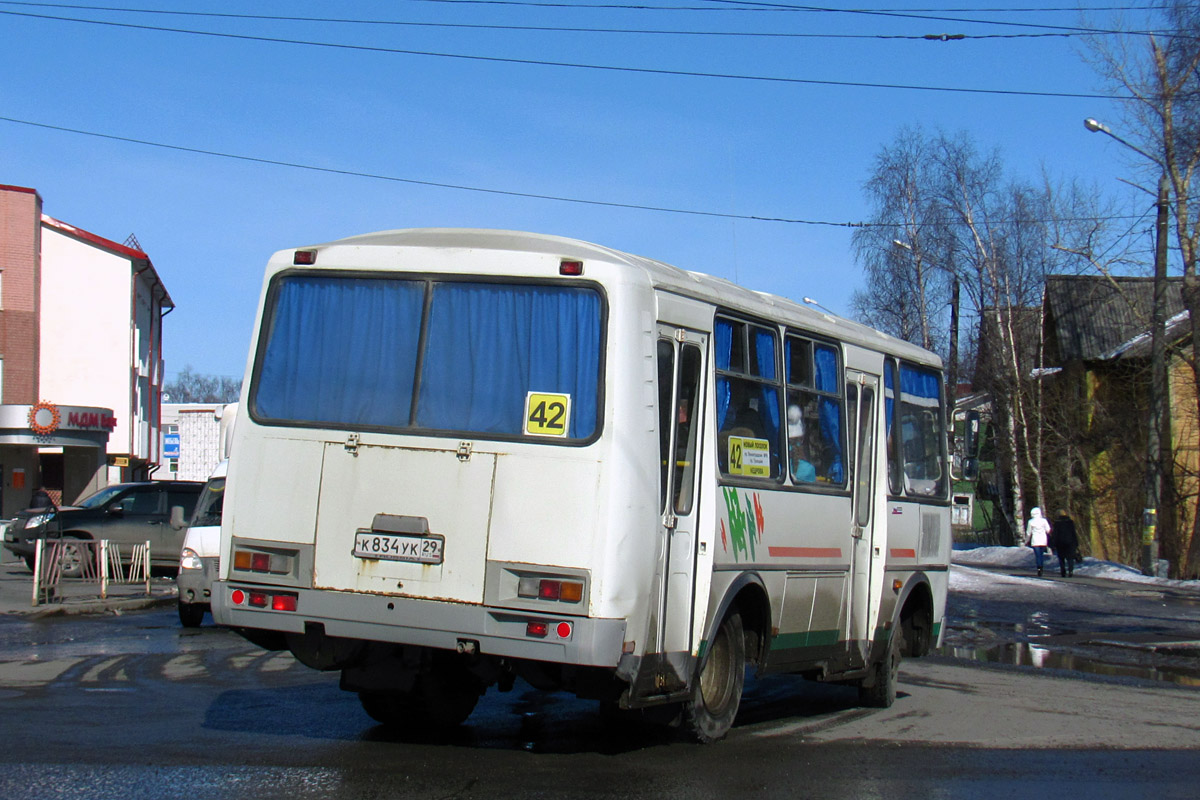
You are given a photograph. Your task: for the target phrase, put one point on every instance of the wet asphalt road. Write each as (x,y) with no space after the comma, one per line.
(134,706)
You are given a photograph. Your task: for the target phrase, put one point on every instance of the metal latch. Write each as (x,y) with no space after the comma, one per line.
(464,451)
(352,444)
(670,521)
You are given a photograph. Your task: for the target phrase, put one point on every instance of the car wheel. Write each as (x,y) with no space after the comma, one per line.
(191,614)
(73,557)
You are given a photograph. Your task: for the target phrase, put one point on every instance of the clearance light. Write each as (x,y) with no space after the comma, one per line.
(897,584)
(538,629)
(570,267)
(252,561)
(304,258)
(550,589)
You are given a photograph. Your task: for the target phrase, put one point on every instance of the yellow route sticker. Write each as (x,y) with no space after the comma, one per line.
(547,414)
(749,457)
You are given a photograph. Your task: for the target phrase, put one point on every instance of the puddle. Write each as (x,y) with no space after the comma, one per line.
(1022,654)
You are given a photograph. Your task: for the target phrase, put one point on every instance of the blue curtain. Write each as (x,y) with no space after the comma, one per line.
(724,345)
(920,383)
(340,350)
(765,351)
(827,379)
(490,344)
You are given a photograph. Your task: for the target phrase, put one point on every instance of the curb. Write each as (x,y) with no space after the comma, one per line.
(109,606)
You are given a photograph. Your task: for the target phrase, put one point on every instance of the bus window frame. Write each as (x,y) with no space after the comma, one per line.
(266,327)
(813,339)
(780,452)
(894,444)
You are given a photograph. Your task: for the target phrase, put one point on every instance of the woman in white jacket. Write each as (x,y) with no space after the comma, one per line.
(1037,536)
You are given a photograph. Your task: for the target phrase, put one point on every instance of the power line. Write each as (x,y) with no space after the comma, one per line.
(557,28)
(1057,31)
(481,190)
(569,65)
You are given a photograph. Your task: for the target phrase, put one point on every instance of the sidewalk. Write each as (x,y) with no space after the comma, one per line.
(16,594)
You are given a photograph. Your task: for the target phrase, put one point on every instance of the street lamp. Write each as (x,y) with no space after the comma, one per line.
(1158,362)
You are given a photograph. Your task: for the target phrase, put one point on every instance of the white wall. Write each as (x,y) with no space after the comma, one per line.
(85,330)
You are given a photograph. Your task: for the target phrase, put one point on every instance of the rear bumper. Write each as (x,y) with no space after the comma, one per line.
(429,623)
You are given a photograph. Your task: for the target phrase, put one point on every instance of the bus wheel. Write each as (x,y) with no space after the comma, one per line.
(878,690)
(717,689)
(441,698)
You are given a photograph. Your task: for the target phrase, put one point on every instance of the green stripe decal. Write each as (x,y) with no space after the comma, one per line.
(792,641)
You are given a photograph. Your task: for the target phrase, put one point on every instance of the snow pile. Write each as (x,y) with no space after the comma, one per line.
(1021,558)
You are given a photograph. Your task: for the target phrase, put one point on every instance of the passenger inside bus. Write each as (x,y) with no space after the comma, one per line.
(802,469)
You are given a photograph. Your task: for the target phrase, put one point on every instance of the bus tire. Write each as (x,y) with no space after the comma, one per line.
(878,690)
(440,699)
(717,688)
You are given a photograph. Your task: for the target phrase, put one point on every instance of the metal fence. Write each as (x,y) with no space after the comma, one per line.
(85,568)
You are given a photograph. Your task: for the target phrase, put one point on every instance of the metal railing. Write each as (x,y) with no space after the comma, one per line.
(85,568)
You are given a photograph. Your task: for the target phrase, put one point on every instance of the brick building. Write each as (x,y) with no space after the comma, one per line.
(81,368)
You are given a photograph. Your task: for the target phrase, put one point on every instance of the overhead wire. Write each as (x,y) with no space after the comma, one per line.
(571,65)
(1056,30)
(476,189)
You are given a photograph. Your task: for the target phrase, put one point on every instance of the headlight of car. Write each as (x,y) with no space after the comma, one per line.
(189,559)
(38,520)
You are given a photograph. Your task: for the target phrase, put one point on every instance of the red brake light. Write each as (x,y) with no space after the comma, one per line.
(260,562)
(549,590)
(258,599)
(283,602)
(534,628)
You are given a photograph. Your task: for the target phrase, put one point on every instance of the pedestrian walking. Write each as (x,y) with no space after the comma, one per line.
(1065,541)
(1037,536)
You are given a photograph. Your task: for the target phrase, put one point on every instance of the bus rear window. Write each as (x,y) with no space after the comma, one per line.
(460,357)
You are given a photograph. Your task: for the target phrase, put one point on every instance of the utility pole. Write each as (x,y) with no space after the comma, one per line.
(1158,360)
(1158,388)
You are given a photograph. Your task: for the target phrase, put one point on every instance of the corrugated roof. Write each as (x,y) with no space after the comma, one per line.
(1098,318)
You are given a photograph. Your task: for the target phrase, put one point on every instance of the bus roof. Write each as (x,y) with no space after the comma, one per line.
(718,291)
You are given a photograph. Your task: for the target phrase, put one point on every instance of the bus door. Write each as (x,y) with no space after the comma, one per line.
(681,356)
(862,399)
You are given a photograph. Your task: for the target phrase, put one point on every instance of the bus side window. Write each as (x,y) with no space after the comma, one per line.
(894,468)
(749,421)
(921,431)
(666,380)
(814,413)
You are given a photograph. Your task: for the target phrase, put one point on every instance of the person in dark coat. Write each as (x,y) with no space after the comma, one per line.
(1065,541)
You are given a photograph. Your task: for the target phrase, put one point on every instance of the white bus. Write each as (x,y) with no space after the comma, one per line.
(465,457)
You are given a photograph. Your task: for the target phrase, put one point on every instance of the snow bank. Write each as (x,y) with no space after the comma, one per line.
(1022,558)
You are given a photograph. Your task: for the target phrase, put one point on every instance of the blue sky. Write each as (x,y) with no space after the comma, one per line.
(778,149)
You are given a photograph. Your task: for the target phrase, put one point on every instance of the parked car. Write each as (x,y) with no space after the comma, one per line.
(125,514)
(201,546)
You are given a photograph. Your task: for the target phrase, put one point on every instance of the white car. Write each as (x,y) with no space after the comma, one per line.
(201,546)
